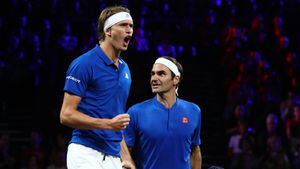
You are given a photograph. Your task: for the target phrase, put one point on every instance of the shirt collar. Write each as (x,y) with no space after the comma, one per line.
(104,57)
(159,104)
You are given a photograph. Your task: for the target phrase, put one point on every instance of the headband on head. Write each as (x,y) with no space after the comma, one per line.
(115,18)
(169,64)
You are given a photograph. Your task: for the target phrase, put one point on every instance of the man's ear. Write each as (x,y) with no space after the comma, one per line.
(176,80)
(108,32)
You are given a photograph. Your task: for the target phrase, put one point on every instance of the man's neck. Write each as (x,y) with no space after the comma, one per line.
(110,51)
(167,99)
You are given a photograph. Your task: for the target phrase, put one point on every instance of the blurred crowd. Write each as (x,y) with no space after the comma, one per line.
(257,45)
(261,74)
(41,151)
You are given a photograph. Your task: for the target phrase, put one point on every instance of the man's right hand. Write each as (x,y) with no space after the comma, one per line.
(119,122)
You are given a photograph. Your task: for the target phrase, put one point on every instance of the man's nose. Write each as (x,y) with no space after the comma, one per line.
(129,30)
(154,77)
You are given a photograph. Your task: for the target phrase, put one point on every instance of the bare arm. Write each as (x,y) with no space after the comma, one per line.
(127,161)
(70,116)
(196,158)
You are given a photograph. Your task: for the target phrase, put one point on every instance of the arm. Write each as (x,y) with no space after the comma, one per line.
(127,161)
(196,158)
(70,116)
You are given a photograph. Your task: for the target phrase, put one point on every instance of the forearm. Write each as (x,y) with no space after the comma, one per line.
(76,119)
(196,158)
(125,155)
(70,116)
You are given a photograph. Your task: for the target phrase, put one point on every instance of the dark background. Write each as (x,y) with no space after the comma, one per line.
(233,53)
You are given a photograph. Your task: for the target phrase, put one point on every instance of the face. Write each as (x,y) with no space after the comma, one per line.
(161,79)
(121,34)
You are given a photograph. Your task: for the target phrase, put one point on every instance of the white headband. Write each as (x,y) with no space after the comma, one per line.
(115,18)
(169,64)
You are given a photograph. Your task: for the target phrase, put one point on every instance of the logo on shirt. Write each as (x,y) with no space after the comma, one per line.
(73,78)
(126,76)
(185,120)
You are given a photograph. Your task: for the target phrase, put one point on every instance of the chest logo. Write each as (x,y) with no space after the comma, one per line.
(185,120)
(126,76)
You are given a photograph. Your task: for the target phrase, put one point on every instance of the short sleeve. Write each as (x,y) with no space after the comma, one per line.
(196,137)
(77,78)
(131,130)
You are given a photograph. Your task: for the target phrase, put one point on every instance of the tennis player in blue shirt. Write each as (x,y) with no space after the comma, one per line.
(164,132)
(96,91)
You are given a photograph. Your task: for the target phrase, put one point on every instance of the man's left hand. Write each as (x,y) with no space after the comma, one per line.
(127,165)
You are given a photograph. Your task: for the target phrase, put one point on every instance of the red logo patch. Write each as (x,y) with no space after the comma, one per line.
(185,120)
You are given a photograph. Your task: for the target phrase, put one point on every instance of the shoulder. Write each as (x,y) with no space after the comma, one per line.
(88,57)
(140,106)
(189,105)
(87,60)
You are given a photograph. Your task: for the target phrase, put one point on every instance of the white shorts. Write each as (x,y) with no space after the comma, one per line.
(82,157)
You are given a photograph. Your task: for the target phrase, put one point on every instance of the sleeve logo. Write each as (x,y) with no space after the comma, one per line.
(73,78)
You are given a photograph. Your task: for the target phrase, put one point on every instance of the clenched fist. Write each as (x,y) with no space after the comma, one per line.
(119,122)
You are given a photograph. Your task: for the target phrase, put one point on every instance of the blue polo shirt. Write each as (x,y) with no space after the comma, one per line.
(104,90)
(162,137)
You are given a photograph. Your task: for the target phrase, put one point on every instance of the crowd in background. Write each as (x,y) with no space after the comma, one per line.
(257,45)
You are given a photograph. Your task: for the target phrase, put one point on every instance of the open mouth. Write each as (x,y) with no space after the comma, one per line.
(127,39)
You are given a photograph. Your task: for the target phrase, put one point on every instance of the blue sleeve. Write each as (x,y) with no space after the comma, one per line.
(196,137)
(77,78)
(131,130)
